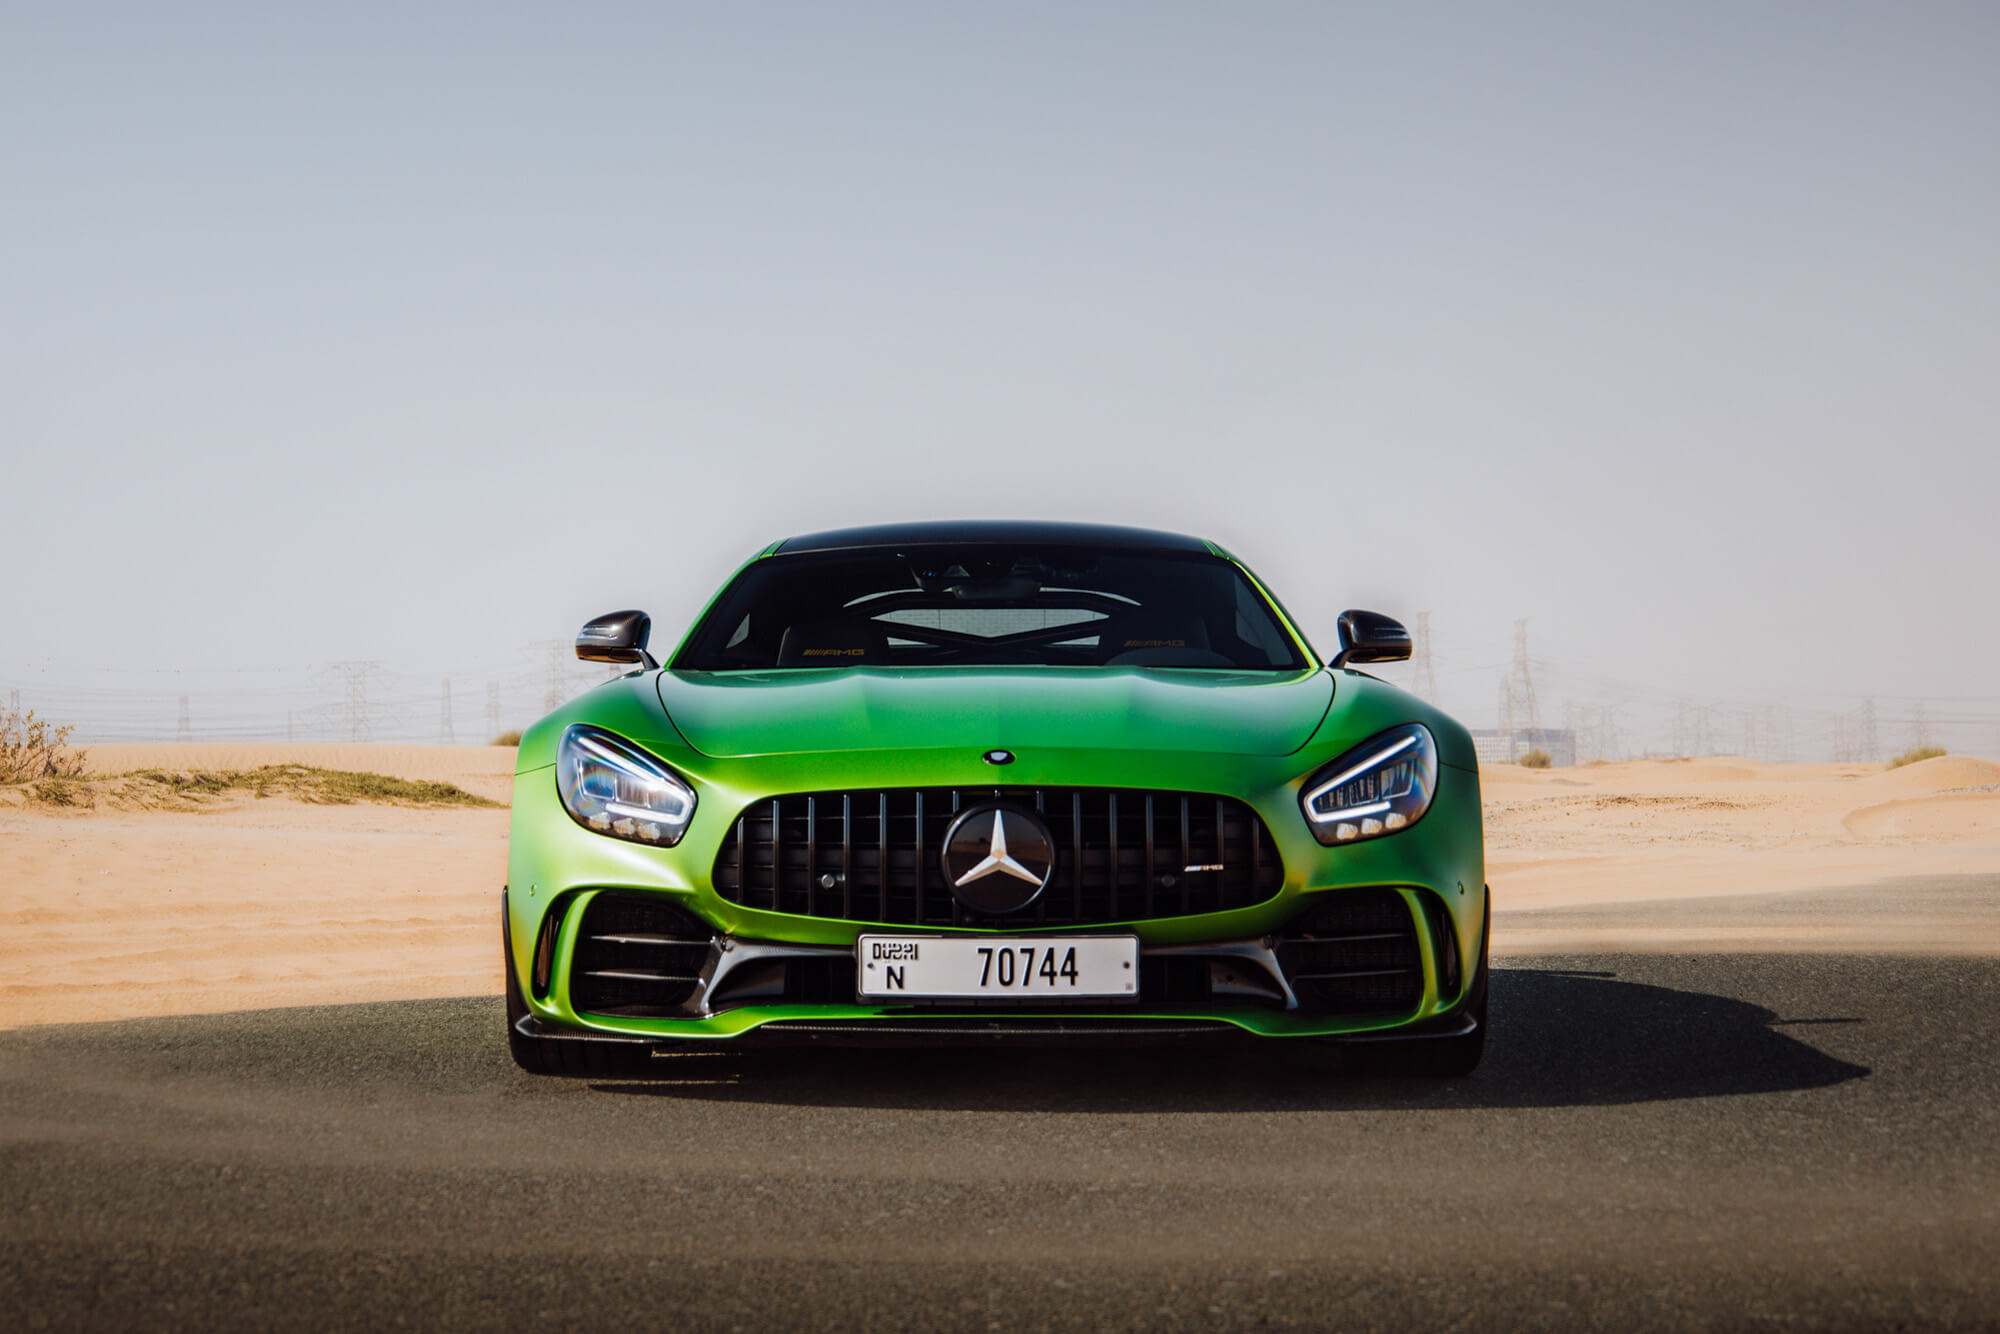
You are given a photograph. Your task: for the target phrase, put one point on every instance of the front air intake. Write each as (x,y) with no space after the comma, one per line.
(637,955)
(1354,952)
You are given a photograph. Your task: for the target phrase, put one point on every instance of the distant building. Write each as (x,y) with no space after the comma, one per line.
(1493,746)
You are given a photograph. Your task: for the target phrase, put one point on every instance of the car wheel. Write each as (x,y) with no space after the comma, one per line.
(555,1056)
(529,1053)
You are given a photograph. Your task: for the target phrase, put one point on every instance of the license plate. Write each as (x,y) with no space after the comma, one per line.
(944,967)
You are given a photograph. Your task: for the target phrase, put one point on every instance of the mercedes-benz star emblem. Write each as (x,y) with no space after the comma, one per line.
(998,858)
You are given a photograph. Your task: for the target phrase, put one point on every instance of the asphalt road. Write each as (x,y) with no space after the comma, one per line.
(1654,1142)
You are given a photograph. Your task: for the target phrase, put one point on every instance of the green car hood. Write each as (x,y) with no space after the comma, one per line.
(729,714)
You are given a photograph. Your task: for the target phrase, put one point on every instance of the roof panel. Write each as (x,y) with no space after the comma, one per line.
(993,532)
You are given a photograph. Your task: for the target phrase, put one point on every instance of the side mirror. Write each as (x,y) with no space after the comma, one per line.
(1369,636)
(618,636)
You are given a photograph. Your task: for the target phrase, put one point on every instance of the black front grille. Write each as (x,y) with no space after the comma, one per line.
(1354,953)
(636,955)
(1121,856)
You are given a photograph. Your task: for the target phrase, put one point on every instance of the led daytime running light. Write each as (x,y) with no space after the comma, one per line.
(1380,787)
(613,788)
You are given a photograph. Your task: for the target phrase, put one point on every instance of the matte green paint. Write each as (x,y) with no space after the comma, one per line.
(743,737)
(824,710)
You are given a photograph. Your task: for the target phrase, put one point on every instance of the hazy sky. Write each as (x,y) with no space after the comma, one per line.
(419,332)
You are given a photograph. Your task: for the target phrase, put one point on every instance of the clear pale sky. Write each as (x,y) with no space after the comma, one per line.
(420,332)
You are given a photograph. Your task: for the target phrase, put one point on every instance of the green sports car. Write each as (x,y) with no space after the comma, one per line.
(971,782)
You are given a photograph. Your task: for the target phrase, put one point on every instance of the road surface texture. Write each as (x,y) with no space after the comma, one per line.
(1655,1141)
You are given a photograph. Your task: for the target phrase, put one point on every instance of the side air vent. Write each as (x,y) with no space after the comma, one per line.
(637,955)
(1354,952)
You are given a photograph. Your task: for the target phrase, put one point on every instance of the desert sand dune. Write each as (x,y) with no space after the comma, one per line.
(486,771)
(1946,773)
(107,913)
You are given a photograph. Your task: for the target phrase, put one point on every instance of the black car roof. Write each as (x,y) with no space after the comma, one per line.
(997,532)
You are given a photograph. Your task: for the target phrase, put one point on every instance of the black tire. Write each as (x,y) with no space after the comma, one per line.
(577,1059)
(1444,1058)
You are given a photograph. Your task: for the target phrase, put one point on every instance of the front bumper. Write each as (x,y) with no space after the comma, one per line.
(1334,971)
(1435,870)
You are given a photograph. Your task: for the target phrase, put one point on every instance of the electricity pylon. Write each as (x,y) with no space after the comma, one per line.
(1524,709)
(357,713)
(1425,685)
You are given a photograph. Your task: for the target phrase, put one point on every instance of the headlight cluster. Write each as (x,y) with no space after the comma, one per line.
(614,788)
(1382,785)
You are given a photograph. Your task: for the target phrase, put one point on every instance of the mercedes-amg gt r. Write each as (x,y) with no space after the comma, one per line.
(968,782)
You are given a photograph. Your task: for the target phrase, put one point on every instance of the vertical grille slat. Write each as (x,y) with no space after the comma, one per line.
(1042,899)
(847,855)
(1111,821)
(957,908)
(742,851)
(777,854)
(1076,855)
(812,856)
(922,869)
(882,857)
(1221,837)
(1256,856)
(1115,851)
(1152,837)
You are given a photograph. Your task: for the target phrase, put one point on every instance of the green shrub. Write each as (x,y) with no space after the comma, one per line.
(1534,759)
(1919,753)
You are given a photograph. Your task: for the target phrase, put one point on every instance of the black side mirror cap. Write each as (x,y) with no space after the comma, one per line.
(618,636)
(1369,636)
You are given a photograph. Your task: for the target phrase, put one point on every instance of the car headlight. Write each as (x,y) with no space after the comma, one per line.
(1382,785)
(614,788)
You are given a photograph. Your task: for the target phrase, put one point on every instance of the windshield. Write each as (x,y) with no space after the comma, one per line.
(990,606)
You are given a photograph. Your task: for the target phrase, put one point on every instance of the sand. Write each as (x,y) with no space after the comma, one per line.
(487,771)
(108,914)
(1625,856)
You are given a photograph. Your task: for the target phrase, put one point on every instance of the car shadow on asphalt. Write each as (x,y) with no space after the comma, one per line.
(1560,1039)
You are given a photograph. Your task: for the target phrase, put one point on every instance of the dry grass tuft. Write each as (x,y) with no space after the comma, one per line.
(162,789)
(507,739)
(1919,753)
(31,747)
(1535,759)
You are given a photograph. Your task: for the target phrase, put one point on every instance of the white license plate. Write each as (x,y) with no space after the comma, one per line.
(1048,967)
